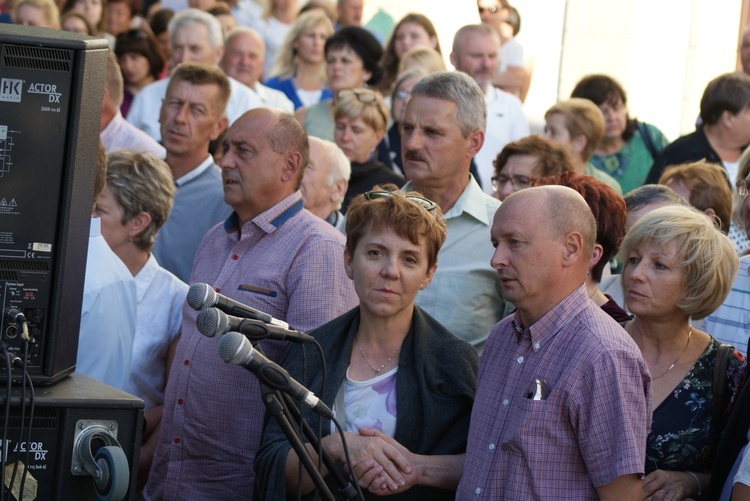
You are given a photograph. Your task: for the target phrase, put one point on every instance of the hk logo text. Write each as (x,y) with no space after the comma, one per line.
(10,90)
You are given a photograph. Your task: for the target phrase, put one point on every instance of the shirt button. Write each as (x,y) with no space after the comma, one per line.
(536,346)
(235,257)
(519,360)
(505,401)
(177,440)
(186,362)
(217,289)
(478,491)
(492,447)
(179,401)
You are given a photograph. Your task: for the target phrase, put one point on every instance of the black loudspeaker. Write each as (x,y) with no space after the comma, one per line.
(51,91)
(84,442)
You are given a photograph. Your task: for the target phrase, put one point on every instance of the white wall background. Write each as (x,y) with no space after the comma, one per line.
(663,52)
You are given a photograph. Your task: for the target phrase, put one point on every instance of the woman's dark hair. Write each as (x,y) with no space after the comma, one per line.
(140,41)
(364,44)
(601,89)
(159,21)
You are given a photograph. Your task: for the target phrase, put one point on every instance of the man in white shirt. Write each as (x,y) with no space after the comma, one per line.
(243,60)
(192,115)
(195,36)
(475,50)
(117,133)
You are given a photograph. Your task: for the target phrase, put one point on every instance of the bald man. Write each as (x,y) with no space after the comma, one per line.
(562,408)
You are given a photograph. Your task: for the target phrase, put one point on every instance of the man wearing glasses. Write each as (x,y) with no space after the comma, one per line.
(442,129)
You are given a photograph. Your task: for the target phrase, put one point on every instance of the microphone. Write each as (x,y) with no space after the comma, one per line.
(235,349)
(202,296)
(212,322)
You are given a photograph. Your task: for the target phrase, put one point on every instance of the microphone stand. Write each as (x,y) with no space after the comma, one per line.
(344,488)
(276,409)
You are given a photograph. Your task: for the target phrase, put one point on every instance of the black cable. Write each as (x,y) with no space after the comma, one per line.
(23,417)
(31,423)
(8,387)
(348,459)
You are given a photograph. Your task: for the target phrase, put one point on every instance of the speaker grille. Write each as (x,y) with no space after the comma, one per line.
(28,266)
(37,58)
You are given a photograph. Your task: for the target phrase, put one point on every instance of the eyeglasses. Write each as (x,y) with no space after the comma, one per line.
(491,9)
(364,96)
(425,203)
(517,181)
(743,187)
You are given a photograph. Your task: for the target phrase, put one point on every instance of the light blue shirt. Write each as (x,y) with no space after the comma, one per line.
(105,342)
(730,323)
(464,294)
(159,322)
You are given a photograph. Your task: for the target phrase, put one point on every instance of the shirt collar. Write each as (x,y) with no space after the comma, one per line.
(552,322)
(471,202)
(202,167)
(144,277)
(272,218)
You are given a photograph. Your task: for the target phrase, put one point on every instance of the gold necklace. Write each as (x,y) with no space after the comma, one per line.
(376,371)
(690,333)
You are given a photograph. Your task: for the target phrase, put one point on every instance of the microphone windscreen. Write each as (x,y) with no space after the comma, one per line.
(201,296)
(234,348)
(211,322)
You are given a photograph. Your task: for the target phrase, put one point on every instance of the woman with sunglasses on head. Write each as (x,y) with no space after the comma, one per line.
(398,381)
(361,119)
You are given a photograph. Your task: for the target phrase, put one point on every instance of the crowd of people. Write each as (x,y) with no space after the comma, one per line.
(502,315)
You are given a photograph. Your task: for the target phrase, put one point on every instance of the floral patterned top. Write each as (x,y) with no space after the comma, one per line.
(680,438)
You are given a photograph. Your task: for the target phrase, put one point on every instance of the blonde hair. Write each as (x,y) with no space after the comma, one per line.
(582,118)
(286,59)
(705,254)
(422,57)
(50,9)
(362,103)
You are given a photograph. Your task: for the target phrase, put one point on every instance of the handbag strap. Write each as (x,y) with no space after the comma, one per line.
(649,142)
(719,386)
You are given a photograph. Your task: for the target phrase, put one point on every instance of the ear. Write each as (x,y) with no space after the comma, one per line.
(577,144)
(139,223)
(596,256)
(292,166)
(366,76)
(572,248)
(434,42)
(348,264)
(219,127)
(219,55)
(338,190)
(475,142)
(726,119)
(380,136)
(453,59)
(428,276)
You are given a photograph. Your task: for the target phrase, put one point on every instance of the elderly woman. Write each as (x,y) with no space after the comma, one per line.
(133,206)
(300,68)
(678,266)
(610,214)
(352,62)
(414,30)
(390,365)
(361,119)
(523,161)
(738,228)
(629,147)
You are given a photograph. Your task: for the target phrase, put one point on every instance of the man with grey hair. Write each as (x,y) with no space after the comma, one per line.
(195,36)
(243,60)
(325,181)
(116,132)
(475,52)
(442,129)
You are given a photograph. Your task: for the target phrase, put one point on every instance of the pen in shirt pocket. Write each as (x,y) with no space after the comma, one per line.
(538,390)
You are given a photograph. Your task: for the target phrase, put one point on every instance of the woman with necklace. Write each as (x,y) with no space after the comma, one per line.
(398,381)
(678,266)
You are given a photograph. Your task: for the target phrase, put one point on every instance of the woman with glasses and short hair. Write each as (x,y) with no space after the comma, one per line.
(400,384)
(361,118)
(521,162)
